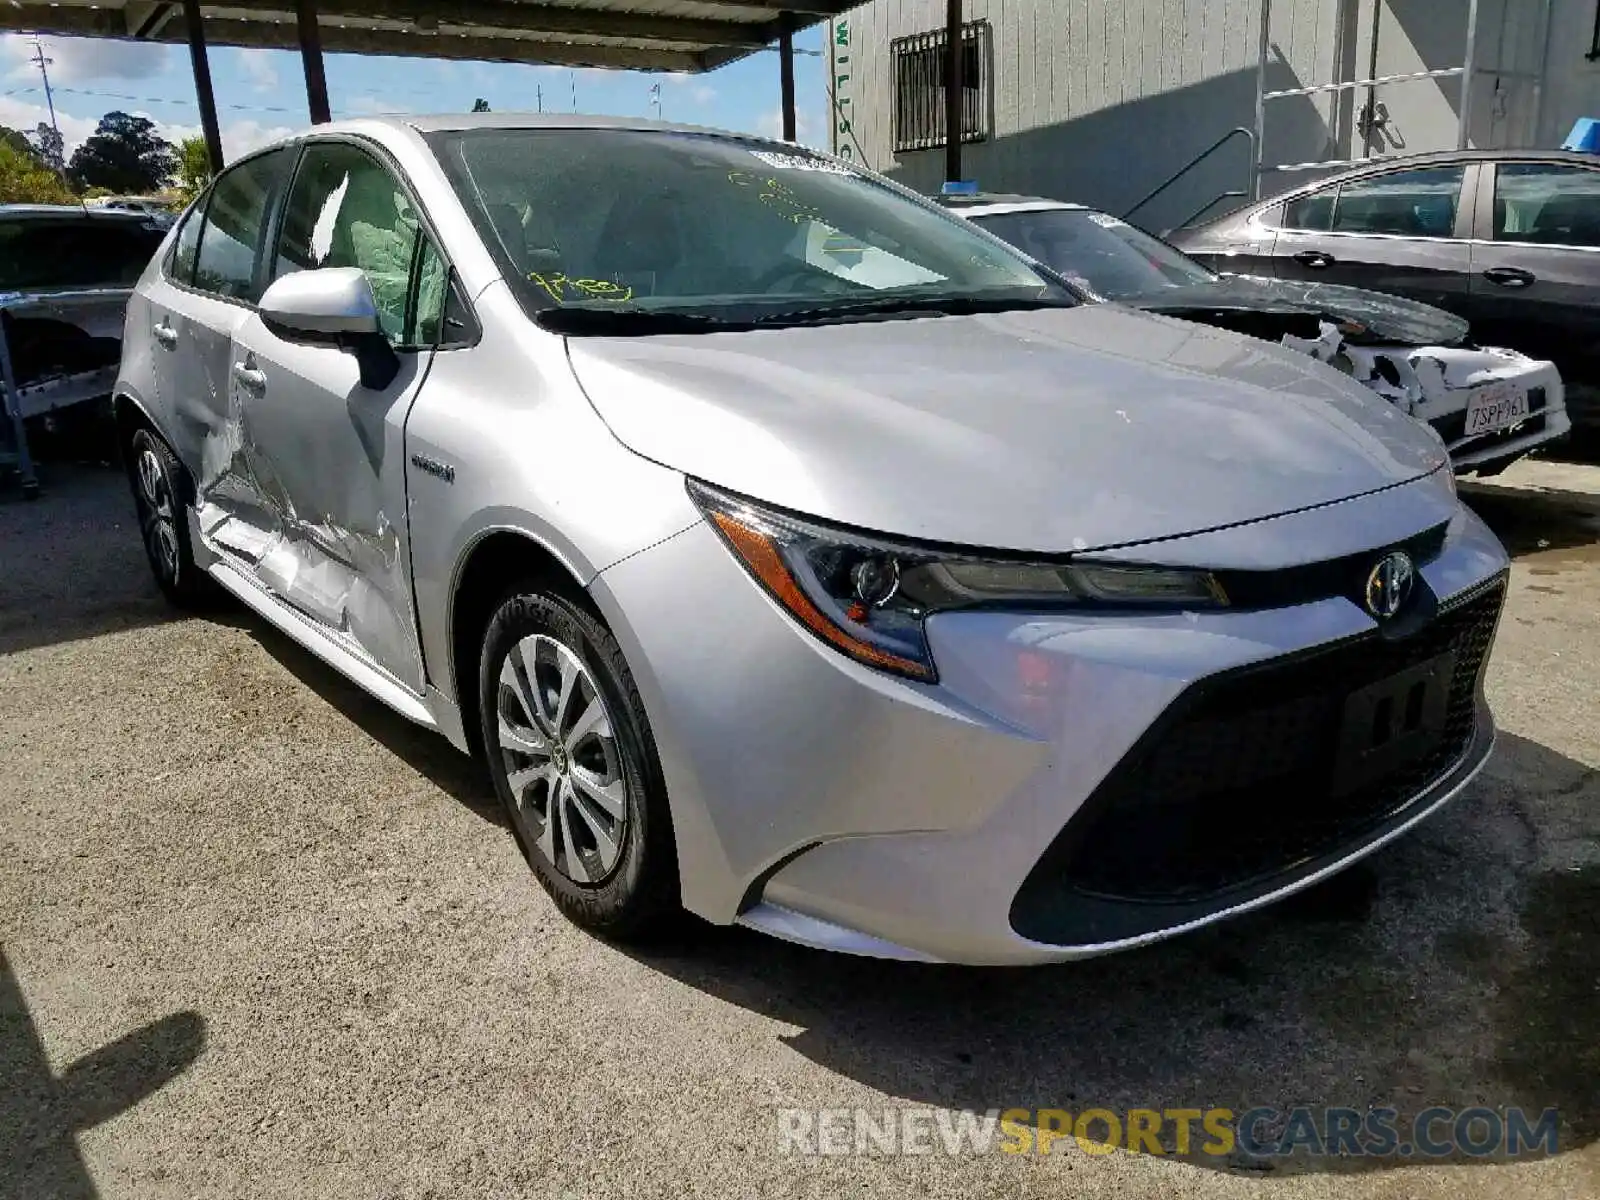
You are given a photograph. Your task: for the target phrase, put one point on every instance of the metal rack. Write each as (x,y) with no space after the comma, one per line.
(19,403)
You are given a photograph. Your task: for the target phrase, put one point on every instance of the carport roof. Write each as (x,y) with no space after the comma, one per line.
(648,35)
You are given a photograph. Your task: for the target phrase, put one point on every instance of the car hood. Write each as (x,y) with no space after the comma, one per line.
(1382,318)
(1051,431)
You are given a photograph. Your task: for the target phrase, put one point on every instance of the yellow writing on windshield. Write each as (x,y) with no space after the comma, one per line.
(778,197)
(558,285)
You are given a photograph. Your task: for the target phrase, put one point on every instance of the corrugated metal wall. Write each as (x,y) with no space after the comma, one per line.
(1100,100)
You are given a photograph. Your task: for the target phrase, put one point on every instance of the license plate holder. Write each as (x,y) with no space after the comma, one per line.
(1495,406)
(1392,722)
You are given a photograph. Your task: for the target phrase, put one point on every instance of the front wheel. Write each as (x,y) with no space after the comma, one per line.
(574,763)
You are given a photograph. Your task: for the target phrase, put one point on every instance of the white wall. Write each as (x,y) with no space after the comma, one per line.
(1100,100)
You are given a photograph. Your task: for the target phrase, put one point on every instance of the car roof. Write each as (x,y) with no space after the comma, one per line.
(1434,158)
(70,212)
(986,204)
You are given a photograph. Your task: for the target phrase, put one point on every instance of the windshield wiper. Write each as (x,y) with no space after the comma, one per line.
(890,307)
(628,322)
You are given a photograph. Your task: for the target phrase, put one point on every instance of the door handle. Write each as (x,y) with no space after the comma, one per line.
(250,377)
(1314,258)
(1512,277)
(165,334)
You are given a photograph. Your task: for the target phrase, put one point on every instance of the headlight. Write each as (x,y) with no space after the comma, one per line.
(870,597)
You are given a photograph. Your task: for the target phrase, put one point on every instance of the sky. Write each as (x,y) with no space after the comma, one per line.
(261,93)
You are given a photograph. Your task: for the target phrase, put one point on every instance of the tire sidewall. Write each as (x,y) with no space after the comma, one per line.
(632,894)
(179,583)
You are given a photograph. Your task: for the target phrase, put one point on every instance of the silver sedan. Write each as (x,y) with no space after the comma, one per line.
(793,552)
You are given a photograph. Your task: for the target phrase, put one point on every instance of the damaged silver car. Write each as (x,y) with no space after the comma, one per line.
(794,553)
(1491,405)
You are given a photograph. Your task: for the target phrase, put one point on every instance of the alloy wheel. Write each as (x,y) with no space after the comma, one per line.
(561,759)
(157,514)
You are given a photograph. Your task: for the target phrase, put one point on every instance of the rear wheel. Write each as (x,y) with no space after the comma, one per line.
(156,476)
(574,763)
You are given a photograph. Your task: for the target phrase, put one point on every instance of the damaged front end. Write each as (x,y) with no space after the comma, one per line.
(1489,405)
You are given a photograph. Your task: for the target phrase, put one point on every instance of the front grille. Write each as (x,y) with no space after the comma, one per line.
(1246,776)
(1454,427)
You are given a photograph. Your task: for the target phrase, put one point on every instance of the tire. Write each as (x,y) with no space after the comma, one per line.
(159,495)
(581,785)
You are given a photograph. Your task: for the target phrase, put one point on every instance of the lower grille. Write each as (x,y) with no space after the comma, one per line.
(1248,776)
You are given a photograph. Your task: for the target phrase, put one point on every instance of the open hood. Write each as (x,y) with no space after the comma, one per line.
(1051,431)
(1381,318)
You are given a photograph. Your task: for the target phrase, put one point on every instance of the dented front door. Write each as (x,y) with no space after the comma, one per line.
(326,453)
(329,457)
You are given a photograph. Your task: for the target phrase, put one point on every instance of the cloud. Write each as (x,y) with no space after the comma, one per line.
(81,60)
(259,68)
(699,91)
(770,125)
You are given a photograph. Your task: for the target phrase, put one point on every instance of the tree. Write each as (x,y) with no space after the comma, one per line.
(25,180)
(194,167)
(18,141)
(124,154)
(51,147)
(480,105)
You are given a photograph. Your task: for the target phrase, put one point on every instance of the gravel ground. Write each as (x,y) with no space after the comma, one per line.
(262,938)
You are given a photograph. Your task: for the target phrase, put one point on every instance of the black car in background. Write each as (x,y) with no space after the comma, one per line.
(1508,239)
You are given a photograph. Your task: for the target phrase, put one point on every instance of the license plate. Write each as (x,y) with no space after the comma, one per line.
(1495,406)
(1392,722)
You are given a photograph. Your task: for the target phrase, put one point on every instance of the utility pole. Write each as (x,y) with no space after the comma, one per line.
(538,90)
(43,64)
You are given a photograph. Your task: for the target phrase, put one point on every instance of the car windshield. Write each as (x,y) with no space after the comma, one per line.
(701,230)
(1097,252)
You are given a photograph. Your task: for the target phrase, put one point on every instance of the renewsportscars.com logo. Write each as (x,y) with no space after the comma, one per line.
(1214,1132)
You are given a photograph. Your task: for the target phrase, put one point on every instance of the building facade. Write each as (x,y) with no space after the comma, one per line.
(1102,101)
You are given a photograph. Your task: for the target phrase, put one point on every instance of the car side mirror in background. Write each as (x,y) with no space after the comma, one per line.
(333,305)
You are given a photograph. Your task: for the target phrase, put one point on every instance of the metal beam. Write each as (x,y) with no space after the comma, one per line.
(419,44)
(954,52)
(311,61)
(207,100)
(786,76)
(556,21)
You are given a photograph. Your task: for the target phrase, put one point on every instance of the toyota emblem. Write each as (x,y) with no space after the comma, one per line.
(1389,585)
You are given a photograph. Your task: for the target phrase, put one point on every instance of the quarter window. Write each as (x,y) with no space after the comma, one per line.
(347,210)
(229,257)
(180,266)
(1546,202)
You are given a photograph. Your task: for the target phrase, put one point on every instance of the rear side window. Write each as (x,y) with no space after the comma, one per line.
(1547,203)
(229,258)
(55,253)
(1403,203)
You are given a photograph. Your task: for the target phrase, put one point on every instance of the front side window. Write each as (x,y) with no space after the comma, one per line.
(713,226)
(347,210)
(229,257)
(1102,254)
(1547,203)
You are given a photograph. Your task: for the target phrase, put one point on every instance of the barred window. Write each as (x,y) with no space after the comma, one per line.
(919,87)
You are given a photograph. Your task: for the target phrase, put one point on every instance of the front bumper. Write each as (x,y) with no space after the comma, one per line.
(1437,384)
(824,802)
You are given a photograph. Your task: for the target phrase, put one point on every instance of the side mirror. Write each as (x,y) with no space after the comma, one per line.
(333,305)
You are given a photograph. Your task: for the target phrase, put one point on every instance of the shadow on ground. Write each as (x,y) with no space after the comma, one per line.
(1547,526)
(42,1113)
(71,563)
(453,772)
(1444,971)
